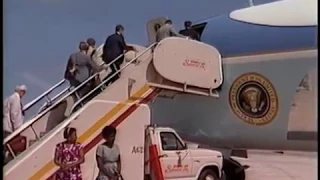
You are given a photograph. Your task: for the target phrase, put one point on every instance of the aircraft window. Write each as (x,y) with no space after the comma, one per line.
(170,141)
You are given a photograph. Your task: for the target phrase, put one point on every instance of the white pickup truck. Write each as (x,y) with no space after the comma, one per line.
(169,157)
(152,152)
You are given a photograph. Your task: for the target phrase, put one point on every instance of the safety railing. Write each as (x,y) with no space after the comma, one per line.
(31,108)
(47,104)
(49,100)
(37,117)
(79,101)
(43,95)
(109,78)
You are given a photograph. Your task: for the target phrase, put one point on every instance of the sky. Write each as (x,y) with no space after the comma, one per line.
(39,35)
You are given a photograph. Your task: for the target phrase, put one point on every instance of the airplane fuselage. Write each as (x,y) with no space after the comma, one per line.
(269,91)
(234,120)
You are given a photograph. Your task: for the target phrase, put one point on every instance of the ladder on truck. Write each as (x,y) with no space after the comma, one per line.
(33,130)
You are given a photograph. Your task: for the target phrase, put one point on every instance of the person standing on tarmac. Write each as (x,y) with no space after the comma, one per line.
(69,155)
(108,156)
(189,31)
(115,46)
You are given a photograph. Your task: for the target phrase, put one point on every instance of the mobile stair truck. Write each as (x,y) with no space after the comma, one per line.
(157,153)
(147,151)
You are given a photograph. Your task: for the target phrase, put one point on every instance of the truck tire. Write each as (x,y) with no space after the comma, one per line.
(208,174)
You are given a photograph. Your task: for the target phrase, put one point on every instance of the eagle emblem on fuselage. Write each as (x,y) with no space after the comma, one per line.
(253,99)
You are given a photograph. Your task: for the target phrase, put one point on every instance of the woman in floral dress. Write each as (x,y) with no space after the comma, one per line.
(68,156)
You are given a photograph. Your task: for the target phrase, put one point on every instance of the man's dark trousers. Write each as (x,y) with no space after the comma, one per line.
(114,68)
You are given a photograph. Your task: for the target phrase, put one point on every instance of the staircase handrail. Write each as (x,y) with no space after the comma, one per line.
(37,117)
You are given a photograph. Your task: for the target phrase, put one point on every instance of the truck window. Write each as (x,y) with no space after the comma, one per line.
(170,142)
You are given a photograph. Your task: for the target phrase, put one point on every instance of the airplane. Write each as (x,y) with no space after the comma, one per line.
(249,84)
(266,59)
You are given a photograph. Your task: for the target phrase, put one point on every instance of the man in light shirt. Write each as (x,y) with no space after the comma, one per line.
(13,111)
(92,52)
(167,30)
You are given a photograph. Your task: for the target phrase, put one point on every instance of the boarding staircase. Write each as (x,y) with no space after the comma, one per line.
(173,64)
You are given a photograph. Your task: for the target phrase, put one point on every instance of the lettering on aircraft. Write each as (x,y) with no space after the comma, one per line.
(177,168)
(194,63)
(137,150)
(253,99)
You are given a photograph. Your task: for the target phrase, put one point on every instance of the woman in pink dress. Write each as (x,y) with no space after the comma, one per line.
(68,156)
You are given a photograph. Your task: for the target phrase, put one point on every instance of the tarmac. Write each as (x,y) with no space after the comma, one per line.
(288,165)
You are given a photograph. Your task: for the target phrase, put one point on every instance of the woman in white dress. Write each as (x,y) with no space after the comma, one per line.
(108,156)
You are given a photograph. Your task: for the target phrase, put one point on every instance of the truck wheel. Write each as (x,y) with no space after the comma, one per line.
(208,174)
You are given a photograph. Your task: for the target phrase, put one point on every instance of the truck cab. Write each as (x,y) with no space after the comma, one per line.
(178,161)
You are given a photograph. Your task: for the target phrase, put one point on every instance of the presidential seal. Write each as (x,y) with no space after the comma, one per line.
(253,99)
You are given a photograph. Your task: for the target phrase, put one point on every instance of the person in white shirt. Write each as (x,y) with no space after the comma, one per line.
(167,30)
(92,52)
(13,111)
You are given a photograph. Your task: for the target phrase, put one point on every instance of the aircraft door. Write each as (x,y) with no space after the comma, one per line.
(152,26)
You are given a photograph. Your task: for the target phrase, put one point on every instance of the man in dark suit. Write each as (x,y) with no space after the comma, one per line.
(114,46)
(189,31)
